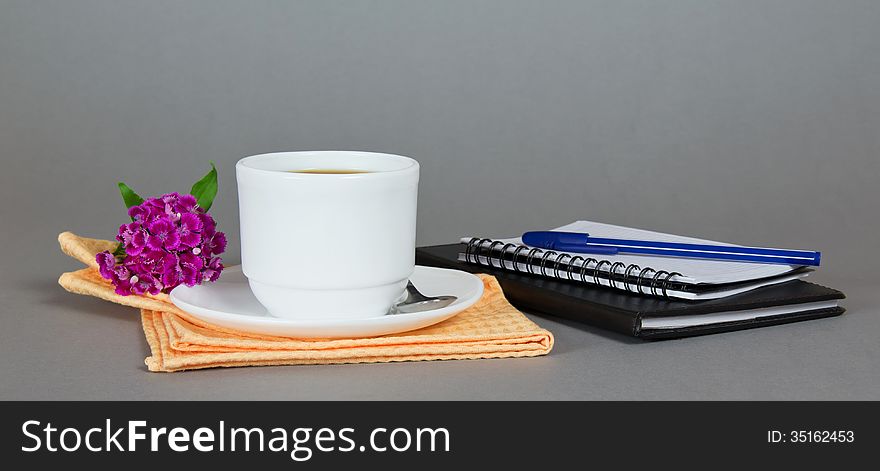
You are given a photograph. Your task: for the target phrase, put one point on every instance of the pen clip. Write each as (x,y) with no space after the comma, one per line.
(576,242)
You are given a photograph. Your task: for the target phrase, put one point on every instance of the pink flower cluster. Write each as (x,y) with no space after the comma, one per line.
(170,241)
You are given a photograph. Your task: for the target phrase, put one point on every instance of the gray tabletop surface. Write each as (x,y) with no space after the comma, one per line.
(57,345)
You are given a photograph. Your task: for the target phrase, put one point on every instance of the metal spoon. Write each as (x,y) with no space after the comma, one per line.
(418,302)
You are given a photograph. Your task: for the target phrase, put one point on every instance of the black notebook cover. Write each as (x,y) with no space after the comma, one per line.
(624,312)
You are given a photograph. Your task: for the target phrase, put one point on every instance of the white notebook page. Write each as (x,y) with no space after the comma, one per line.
(693,270)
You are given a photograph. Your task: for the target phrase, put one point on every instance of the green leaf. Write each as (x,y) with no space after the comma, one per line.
(119,253)
(206,189)
(129,196)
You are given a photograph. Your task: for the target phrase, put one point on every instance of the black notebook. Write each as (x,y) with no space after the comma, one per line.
(650,317)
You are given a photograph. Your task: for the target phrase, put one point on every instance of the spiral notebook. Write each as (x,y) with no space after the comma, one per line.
(649,317)
(681,278)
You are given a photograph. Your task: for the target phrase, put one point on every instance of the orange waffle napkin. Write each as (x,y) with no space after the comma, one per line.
(491,328)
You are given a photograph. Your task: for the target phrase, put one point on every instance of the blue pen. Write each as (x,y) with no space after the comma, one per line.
(584,243)
(565,242)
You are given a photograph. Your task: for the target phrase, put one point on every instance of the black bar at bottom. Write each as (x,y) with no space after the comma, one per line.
(516,434)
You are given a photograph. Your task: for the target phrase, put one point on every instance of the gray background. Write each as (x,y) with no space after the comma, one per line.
(750,122)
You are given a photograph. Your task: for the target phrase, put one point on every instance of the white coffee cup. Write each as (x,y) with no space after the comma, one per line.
(325,245)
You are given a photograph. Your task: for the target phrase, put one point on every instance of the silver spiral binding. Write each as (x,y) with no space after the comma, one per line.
(631,278)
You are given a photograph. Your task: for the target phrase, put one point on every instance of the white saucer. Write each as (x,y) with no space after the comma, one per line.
(229,303)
